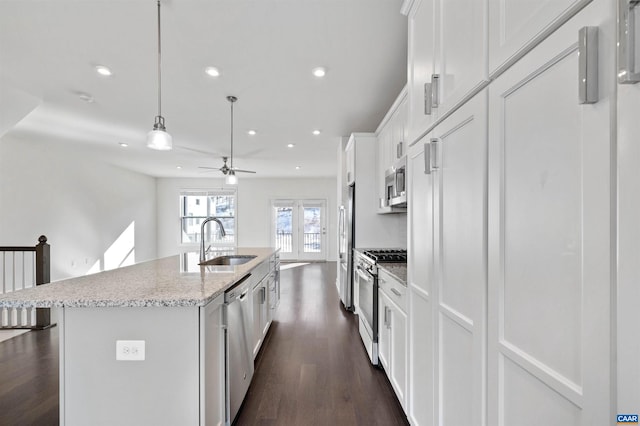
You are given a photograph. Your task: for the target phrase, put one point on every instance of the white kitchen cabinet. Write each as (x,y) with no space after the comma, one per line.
(447,59)
(460,318)
(628,274)
(461,51)
(447,270)
(392,332)
(260,314)
(391,147)
(550,234)
(212,360)
(420,66)
(515,26)
(350,153)
(421,275)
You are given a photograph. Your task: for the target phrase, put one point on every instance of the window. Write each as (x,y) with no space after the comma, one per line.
(195,206)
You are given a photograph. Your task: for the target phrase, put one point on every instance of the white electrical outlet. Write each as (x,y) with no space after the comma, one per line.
(130,350)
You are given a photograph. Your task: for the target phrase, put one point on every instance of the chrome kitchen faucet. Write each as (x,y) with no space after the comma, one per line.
(204,222)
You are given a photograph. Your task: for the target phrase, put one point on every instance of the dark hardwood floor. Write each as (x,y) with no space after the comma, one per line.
(313,369)
(29,379)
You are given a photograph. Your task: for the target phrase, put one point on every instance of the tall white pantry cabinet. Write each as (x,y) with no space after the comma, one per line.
(513,215)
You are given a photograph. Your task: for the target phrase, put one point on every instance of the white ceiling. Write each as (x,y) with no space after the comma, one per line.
(265,49)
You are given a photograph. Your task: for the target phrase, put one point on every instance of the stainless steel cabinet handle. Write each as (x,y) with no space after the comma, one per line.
(435,88)
(627,73)
(389,318)
(588,65)
(399,150)
(434,153)
(427,158)
(263,295)
(427,99)
(396,292)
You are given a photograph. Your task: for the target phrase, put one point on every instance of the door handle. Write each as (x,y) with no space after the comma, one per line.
(627,73)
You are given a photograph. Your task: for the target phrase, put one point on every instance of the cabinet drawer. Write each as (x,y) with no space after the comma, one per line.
(393,288)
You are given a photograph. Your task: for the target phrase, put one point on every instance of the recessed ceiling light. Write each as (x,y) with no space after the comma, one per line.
(316,132)
(251,132)
(212,71)
(124,145)
(298,167)
(102,70)
(319,72)
(178,167)
(290,145)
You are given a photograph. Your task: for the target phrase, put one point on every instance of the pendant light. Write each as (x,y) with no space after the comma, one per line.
(231,178)
(158,138)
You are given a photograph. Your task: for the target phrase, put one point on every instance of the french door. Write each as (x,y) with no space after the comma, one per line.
(299,229)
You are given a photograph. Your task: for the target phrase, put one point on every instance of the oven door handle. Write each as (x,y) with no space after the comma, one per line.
(365,276)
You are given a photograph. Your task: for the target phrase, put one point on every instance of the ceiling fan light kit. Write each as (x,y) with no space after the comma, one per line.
(158,138)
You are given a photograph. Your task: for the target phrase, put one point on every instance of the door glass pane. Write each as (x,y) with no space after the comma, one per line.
(284,226)
(312,230)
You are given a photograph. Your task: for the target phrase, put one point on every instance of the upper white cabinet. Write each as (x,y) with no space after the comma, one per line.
(461,51)
(392,147)
(550,232)
(515,25)
(420,66)
(447,59)
(350,153)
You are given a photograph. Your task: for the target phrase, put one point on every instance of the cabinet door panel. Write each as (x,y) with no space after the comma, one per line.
(420,67)
(399,353)
(383,330)
(549,233)
(514,24)
(462,289)
(461,49)
(421,348)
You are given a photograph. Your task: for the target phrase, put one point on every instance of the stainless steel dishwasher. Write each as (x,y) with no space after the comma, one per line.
(239,320)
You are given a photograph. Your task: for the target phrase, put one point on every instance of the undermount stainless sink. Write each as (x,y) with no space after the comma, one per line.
(234,259)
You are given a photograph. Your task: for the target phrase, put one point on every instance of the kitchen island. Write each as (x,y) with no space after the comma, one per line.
(145,344)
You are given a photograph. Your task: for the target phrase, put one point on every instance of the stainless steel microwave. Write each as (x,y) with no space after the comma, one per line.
(395,184)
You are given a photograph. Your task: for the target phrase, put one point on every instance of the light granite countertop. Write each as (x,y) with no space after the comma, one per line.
(167,282)
(397,270)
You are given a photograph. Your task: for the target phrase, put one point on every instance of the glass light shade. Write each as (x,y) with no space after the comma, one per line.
(231,179)
(160,140)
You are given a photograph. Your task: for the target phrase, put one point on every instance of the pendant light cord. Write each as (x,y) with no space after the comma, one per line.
(231,135)
(159,66)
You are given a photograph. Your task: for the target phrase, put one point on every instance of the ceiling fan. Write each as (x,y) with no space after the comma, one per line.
(228,170)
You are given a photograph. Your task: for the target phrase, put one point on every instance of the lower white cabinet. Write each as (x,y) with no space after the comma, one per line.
(260,314)
(392,332)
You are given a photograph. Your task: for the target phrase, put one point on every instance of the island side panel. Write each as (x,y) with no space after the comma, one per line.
(97,389)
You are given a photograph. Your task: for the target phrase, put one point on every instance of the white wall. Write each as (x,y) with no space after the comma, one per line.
(80,203)
(254,214)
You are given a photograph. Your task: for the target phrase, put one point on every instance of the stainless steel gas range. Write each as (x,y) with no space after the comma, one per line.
(366,285)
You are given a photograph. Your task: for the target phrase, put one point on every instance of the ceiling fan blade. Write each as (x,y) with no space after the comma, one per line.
(209,168)
(242,171)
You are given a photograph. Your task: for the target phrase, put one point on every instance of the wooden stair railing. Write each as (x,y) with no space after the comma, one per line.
(22,268)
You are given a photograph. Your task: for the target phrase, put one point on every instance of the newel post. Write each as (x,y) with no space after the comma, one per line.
(43,276)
